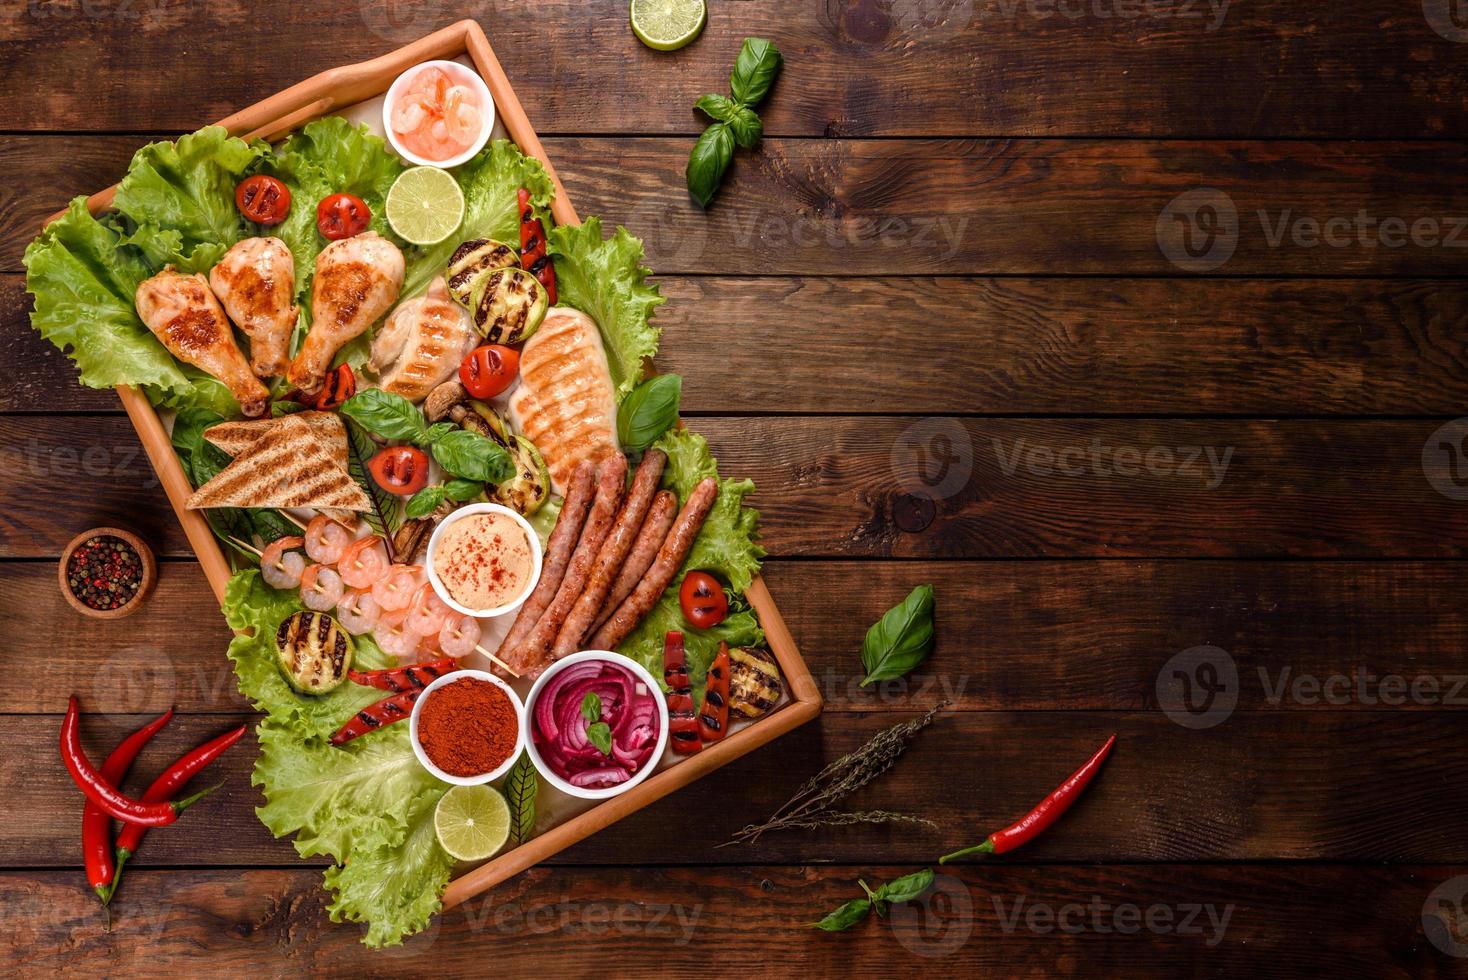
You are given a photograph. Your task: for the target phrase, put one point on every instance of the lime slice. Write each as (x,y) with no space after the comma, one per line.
(667,25)
(472,822)
(425,205)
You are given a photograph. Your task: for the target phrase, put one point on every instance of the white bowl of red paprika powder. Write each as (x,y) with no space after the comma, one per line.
(468,727)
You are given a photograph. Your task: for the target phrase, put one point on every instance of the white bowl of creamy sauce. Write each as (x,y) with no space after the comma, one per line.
(484,560)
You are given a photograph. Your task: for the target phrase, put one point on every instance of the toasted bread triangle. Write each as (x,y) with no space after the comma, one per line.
(237,437)
(287,465)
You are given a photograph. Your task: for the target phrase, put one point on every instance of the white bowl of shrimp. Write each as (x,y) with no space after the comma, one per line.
(484,560)
(438,114)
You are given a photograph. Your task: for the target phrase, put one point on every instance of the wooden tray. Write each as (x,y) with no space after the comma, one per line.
(335,90)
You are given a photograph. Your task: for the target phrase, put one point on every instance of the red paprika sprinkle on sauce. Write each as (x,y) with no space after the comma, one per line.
(104,572)
(468,728)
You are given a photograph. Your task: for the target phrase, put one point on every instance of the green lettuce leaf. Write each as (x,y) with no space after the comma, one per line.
(606,280)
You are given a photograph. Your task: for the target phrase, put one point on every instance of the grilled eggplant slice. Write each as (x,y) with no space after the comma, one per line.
(754,682)
(507,305)
(473,259)
(313,651)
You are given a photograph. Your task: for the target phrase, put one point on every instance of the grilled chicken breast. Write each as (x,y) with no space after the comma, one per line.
(256,282)
(357,280)
(565,402)
(422,343)
(183,314)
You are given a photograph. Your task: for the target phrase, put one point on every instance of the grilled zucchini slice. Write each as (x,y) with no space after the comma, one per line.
(529,488)
(313,651)
(474,258)
(507,305)
(754,682)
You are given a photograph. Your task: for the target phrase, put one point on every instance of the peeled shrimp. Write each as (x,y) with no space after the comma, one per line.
(280,566)
(395,588)
(326,539)
(363,562)
(459,636)
(426,614)
(357,612)
(321,588)
(394,639)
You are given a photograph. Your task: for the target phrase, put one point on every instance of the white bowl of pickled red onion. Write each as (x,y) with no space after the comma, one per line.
(438,114)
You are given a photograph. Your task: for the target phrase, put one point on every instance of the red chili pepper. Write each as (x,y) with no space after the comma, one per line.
(104,794)
(400,679)
(96,824)
(1045,813)
(533,257)
(393,708)
(713,720)
(338,386)
(682,720)
(184,768)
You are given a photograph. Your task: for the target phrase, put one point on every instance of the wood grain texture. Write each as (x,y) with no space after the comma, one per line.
(1318,347)
(967,207)
(1011,635)
(1258,786)
(928,487)
(854,67)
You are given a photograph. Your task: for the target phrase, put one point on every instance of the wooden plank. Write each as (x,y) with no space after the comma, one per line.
(971,207)
(931,487)
(912,67)
(1159,921)
(1011,635)
(1258,786)
(1316,347)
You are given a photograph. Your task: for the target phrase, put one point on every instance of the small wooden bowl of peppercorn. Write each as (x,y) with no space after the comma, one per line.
(107,572)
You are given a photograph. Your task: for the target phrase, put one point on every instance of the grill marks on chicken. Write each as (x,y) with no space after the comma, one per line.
(357,280)
(185,316)
(256,283)
(422,343)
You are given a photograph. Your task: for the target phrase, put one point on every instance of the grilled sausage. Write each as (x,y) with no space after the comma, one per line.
(557,554)
(534,652)
(670,558)
(612,554)
(654,531)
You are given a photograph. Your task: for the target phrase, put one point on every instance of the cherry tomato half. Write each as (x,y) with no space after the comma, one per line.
(342,216)
(402,470)
(340,385)
(263,200)
(703,600)
(489,370)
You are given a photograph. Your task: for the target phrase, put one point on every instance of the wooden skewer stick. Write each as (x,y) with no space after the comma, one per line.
(504,666)
(243,546)
(292,518)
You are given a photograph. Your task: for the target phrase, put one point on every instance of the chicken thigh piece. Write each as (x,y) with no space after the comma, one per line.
(186,317)
(256,281)
(422,343)
(357,280)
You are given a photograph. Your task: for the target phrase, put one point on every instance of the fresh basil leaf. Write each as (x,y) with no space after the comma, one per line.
(717,107)
(901,639)
(437,431)
(591,707)
(459,490)
(754,71)
(844,917)
(521,786)
(708,163)
(648,411)
(390,416)
(746,127)
(473,456)
(600,735)
(906,888)
(425,501)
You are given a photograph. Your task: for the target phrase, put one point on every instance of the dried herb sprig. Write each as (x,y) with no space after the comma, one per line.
(812,805)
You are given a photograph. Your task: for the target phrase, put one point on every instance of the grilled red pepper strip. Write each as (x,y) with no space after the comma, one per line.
(100,791)
(340,384)
(713,720)
(96,824)
(1045,813)
(184,768)
(533,257)
(392,708)
(682,721)
(400,679)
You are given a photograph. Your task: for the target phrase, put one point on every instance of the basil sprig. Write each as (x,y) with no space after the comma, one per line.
(426,501)
(734,119)
(459,451)
(901,639)
(648,411)
(904,889)
(598,732)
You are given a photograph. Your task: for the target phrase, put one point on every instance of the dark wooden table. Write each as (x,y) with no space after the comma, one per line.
(1130,326)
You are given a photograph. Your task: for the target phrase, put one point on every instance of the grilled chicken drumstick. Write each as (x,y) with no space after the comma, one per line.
(183,314)
(256,281)
(357,280)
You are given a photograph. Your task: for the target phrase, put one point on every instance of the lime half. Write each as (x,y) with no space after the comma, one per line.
(472,822)
(667,25)
(425,205)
